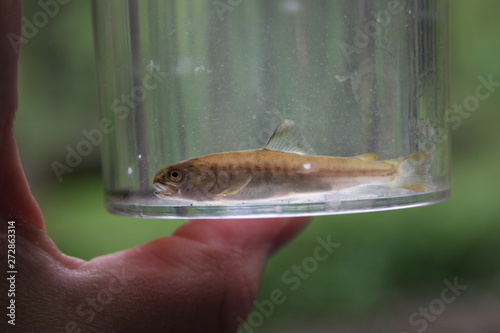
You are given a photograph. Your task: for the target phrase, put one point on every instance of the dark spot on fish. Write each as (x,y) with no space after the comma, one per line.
(267,173)
(285,170)
(248,167)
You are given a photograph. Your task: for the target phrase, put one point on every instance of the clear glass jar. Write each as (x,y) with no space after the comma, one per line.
(182,79)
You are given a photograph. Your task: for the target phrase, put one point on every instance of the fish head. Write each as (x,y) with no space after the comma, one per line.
(190,180)
(170,181)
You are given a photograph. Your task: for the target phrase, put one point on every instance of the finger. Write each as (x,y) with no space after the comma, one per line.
(255,234)
(16,201)
(209,270)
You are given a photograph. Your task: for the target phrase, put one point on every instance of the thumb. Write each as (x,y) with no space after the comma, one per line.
(209,270)
(16,201)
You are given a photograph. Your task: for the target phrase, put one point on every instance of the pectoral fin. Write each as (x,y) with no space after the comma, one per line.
(238,182)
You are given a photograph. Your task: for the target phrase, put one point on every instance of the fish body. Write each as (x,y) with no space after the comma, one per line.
(284,167)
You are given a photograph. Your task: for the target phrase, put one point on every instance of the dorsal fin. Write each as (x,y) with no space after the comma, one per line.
(287,138)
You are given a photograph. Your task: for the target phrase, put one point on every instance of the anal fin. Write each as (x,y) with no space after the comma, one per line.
(368,157)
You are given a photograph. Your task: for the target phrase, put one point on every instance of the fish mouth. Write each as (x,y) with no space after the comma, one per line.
(165,190)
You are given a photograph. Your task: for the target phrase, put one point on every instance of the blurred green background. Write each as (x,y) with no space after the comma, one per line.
(389,264)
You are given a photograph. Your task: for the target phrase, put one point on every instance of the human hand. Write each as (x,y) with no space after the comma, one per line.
(204,278)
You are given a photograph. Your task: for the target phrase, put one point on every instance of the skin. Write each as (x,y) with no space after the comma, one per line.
(201,279)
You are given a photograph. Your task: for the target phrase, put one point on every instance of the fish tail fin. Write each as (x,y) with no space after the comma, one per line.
(413,172)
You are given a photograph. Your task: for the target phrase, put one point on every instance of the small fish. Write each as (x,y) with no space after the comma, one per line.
(286,166)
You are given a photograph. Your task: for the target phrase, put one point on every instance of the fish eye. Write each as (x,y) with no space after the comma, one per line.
(175,175)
